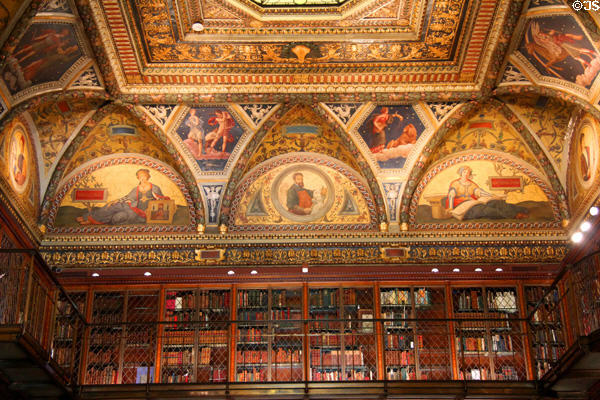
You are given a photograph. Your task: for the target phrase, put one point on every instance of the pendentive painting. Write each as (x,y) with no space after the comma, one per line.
(19,158)
(43,54)
(210,135)
(312,195)
(123,195)
(482,191)
(558,48)
(391,132)
(586,154)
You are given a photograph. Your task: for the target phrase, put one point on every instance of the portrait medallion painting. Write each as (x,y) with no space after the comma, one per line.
(18,159)
(482,191)
(123,195)
(302,193)
(391,132)
(313,196)
(43,54)
(210,134)
(558,48)
(586,154)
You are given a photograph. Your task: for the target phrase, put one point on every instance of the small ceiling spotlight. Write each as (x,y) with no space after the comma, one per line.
(499,269)
(456,270)
(253,272)
(305,270)
(147,273)
(95,274)
(230,272)
(577,237)
(197,26)
(585,226)
(435,270)
(594,211)
(478,269)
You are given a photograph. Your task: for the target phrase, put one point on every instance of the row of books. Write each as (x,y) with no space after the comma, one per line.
(398,316)
(543,352)
(475,374)
(287,298)
(179,301)
(506,373)
(286,314)
(251,315)
(252,375)
(394,297)
(548,336)
(324,298)
(252,357)
(102,357)
(401,374)
(144,375)
(331,358)
(399,357)
(502,343)
(250,335)
(325,340)
(214,299)
(102,376)
(287,356)
(205,354)
(171,358)
(64,330)
(253,298)
(469,299)
(404,342)
(62,355)
(472,344)
(542,314)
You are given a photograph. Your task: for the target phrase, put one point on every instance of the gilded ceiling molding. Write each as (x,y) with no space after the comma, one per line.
(239,170)
(73,147)
(558,93)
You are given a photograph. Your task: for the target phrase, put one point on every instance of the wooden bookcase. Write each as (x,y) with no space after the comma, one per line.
(547,330)
(194,339)
(66,335)
(492,346)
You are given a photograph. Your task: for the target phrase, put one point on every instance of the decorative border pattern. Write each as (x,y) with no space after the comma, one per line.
(482,225)
(318,159)
(120,160)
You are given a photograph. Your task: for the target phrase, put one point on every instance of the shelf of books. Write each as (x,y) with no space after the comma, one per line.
(105,337)
(286,335)
(546,327)
(490,346)
(252,356)
(324,331)
(414,346)
(67,331)
(140,333)
(359,340)
(194,339)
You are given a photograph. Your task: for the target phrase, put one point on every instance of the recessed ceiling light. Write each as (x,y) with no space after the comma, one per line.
(435,270)
(585,226)
(499,269)
(478,269)
(305,270)
(456,270)
(594,211)
(230,272)
(95,274)
(577,237)
(254,272)
(147,273)
(198,26)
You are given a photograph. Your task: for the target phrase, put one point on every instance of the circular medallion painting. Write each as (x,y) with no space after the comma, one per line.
(18,159)
(586,156)
(302,193)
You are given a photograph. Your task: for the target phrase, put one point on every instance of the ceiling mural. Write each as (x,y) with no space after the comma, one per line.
(548,118)
(488,129)
(117,132)
(302,191)
(210,135)
(584,171)
(376,119)
(56,122)
(131,193)
(483,190)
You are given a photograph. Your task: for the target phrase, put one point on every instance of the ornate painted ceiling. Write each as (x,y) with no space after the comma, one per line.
(289,131)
